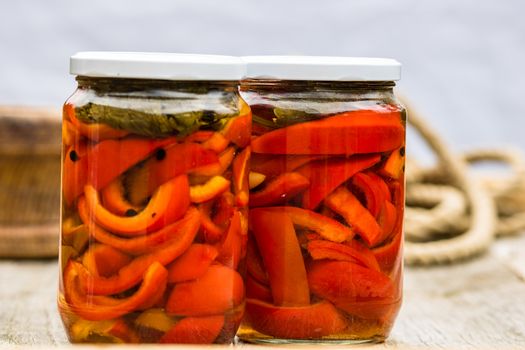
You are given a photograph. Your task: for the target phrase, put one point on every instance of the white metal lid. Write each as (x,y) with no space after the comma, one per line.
(149,65)
(322,68)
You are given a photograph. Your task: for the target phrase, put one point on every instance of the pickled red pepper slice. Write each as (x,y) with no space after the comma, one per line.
(326,227)
(171,162)
(254,264)
(241,169)
(231,246)
(347,133)
(275,165)
(155,276)
(209,190)
(114,198)
(281,253)
(239,130)
(388,254)
(256,290)
(303,322)
(344,203)
(131,274)
(218,290)
(352,251)
(192,264)
(194,330)
(104,260)
(169,202)
(326,175)
(350,286)
(104,161)
(279,190)
(371,188)
(136,245)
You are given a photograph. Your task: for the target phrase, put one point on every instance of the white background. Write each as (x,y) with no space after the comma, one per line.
(463,60)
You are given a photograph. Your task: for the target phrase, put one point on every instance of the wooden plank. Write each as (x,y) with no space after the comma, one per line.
(474,305)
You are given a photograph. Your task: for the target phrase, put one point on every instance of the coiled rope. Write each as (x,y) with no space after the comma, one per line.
(453,214)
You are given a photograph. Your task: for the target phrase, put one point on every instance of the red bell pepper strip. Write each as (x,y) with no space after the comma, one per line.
(345,134)
(136,245)
(155,276)
(380,182)
(351,251)
(387,219)
(281,253)
(281,189)
(214,169)
(239,130)
(345,283)
(256,290)
(209,190)
(173,161)
(220,289)
(394,166)
(211,232)
(109,159)
(275,165)
(303,322)
(192,264)
(389,255)
(230,247)
(370,188)
(241,169)
(114,199)
(217,143)
(326,227)
(95,132)
(169,203)
(104,260)
(344,203)
(74,172)
(254,263)
(194,330)
(131,274)
(199,136)
(326,176)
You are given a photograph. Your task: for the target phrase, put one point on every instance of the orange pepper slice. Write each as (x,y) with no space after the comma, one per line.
(344,203)
(254,263)
(136,245)
(218,290)
(277,241)
(303,322)
(209,190)
(238,130)
(241,169)
(256,290)
(169,203)
(326,175)
(104,260)
(351,251)
(114,200)
(350,286)
(192,264)
(217,143)
(281,189)
(131,274)
(194,330)
(231,245)
(155,276)
(324,226)
(348,133)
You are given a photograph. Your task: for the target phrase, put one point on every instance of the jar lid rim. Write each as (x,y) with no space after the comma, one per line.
(156,65)
(322,68)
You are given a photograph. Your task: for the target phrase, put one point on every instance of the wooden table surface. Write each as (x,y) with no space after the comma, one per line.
(475,304)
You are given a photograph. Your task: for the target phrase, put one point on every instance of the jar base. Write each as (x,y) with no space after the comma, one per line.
(277,341)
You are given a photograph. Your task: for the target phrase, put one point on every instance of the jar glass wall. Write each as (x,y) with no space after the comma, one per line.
(326,211)
(154,210)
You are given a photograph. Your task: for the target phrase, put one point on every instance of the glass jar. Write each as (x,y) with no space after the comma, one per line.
(326,199)
(154,199)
